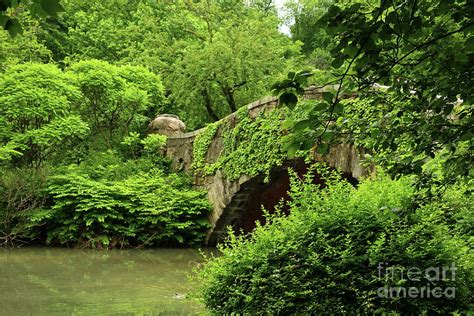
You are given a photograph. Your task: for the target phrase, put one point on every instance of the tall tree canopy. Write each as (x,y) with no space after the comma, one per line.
(213,56)
(37,117)
(25,48)
(234,53)
(304,16)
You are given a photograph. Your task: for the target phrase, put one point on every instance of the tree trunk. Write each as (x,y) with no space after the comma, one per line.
(208,104)
(229,96)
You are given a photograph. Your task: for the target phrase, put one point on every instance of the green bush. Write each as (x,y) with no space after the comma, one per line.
(339,251)
(111,203)
(21,195)
(454,209)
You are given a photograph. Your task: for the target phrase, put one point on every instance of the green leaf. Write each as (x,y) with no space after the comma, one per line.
(327,136)
(293,148)
(321,106)
(337,62)
(338,108)
(328,96)
(302,76)
(385,33)
(3,20)
(277,87)
(289,99)
(391,18)
(322,149)
(304,73)
(288,123)
(350,51)
(334,10)
(302,125)
(14,27)
(37,10)
(355,7)
(307,144)
(51,7)
(448,109)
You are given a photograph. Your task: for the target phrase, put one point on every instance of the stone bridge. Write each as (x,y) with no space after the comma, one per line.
(238,203)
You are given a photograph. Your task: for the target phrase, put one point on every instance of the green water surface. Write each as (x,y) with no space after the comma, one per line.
(44,281)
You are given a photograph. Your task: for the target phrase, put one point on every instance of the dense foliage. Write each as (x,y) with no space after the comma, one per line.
(59,185)
(22,194)
(37,113)
(251,146)
(122,204)
(116,99)
(422,52)
(213,56)
(325,257)
(9,10)
(304,15)
(80,80)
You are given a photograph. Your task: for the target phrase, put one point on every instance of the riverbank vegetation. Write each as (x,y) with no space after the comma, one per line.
(347,250)
(78,167)
(80,81)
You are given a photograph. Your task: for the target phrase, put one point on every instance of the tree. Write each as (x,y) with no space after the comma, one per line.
(234,53)
(90,30)
(115,97)
(213,56)
(304,16)
(37,117)
(25,48)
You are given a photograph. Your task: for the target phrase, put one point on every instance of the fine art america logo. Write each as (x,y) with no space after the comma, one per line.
(422,281)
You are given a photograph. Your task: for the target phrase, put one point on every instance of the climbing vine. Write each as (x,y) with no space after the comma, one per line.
(251,147)
(201,144)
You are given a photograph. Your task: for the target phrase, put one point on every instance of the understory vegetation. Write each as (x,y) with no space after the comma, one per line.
(81,80)
(341,247)
(124,204)
(78,166)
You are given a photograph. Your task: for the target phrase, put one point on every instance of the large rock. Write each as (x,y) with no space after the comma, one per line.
(167,124)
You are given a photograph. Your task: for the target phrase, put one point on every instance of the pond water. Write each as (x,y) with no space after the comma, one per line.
(50,281)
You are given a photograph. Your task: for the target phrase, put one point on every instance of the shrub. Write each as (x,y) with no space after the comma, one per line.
(454,209)
(114,204)
(21,194)
(151,146)
(326,256)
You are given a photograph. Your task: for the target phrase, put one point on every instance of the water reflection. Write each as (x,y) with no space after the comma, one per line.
(40,281)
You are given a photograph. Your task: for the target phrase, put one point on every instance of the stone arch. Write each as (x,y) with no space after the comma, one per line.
(245,206)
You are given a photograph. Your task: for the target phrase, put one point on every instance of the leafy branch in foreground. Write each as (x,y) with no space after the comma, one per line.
(422,51)
(37,8)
